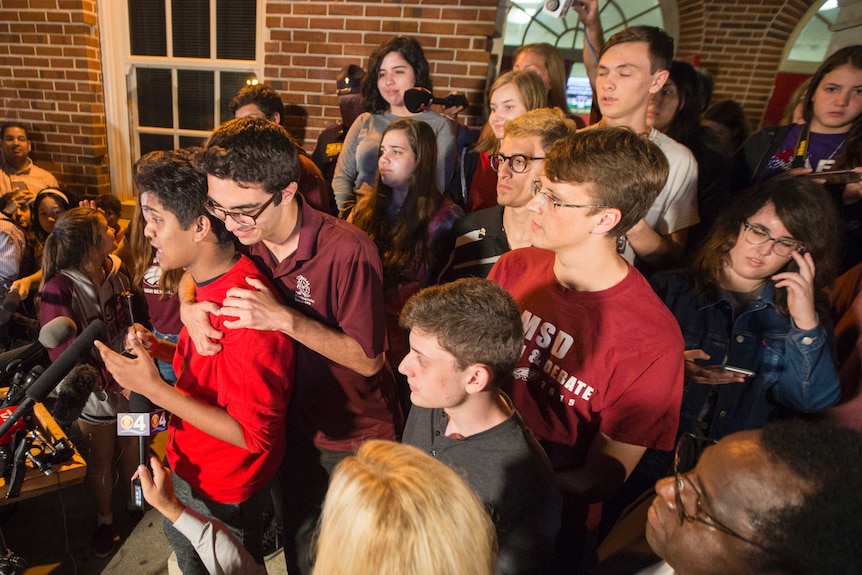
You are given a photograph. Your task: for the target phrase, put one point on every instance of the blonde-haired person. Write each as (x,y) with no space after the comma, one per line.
(481,237)
(511,95)
(392,509)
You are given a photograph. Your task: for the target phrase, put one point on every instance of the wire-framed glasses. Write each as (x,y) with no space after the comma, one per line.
(688,451)
(758,235)
(536,188)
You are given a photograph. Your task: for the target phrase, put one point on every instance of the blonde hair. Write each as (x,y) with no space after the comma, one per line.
(393,510)
(549,123)
(532,92)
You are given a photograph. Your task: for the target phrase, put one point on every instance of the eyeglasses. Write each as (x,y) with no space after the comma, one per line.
(518,162)
(242,218)
(784,247)
(688,451)
(536,188)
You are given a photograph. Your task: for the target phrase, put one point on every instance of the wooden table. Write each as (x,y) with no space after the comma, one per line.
(66,474)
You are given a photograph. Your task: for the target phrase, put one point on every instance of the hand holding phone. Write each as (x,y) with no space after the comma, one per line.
(835,176)
(738,370)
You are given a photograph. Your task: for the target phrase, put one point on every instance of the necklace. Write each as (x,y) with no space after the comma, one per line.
(800,155)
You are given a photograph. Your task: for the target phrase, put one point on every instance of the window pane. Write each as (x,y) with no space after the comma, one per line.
(231,83)
(812,43)
(235,22)
(527,23)
(150,142)
(191,28)
(155,100)
(192,141)
(196,99)
(147,28)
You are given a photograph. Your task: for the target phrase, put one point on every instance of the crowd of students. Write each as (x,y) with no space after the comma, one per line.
(639,293)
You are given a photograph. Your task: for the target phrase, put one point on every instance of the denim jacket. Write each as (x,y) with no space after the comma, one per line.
(794,368)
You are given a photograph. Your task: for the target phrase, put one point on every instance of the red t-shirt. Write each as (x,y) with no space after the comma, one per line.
(251,378)
(335,277)
(609,361)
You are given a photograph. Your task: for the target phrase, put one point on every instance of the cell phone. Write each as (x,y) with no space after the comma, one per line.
(836,176)
(739,370)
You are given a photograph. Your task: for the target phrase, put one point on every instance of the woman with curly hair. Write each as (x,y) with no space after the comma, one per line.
(394,67)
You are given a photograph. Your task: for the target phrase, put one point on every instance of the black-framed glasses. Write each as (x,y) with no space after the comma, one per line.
(688,451)
(536,188)
(758,235)
(242,218)
(518,162)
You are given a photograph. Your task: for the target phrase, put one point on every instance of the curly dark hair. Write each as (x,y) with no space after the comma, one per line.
(252,151)
(806,210)
(822,534)
(262,96)
(173,178)
(411,50)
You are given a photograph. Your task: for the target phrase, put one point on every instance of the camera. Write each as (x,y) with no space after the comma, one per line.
(557,8)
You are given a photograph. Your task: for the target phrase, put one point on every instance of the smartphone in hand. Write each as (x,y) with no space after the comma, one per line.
(836,176)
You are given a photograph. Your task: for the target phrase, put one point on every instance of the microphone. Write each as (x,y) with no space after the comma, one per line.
(143,420)
(73,392)
(57,371)
(9,306)
(53,334)
(419,99)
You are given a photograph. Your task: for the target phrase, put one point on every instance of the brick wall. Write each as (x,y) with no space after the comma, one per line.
(50,64)
(310,41)
(740,42)
(51,80)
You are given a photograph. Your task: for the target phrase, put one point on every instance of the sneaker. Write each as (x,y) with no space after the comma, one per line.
(273,539)
(103,540)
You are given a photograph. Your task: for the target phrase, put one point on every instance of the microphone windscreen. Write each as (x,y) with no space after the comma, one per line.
(72,393)
(9,306)
(57,332)
(67,360)
(418,100)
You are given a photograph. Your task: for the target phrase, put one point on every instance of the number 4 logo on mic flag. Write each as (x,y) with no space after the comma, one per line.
(141,424)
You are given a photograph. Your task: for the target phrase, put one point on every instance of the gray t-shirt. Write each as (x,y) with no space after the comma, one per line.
(509,472)
(357,163)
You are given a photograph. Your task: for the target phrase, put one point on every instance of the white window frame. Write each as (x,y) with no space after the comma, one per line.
(119,83)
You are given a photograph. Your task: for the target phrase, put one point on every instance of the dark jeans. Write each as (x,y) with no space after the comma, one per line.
(243,519)
(304,475)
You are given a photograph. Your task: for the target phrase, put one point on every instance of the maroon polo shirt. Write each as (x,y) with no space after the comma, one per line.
(336,278)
